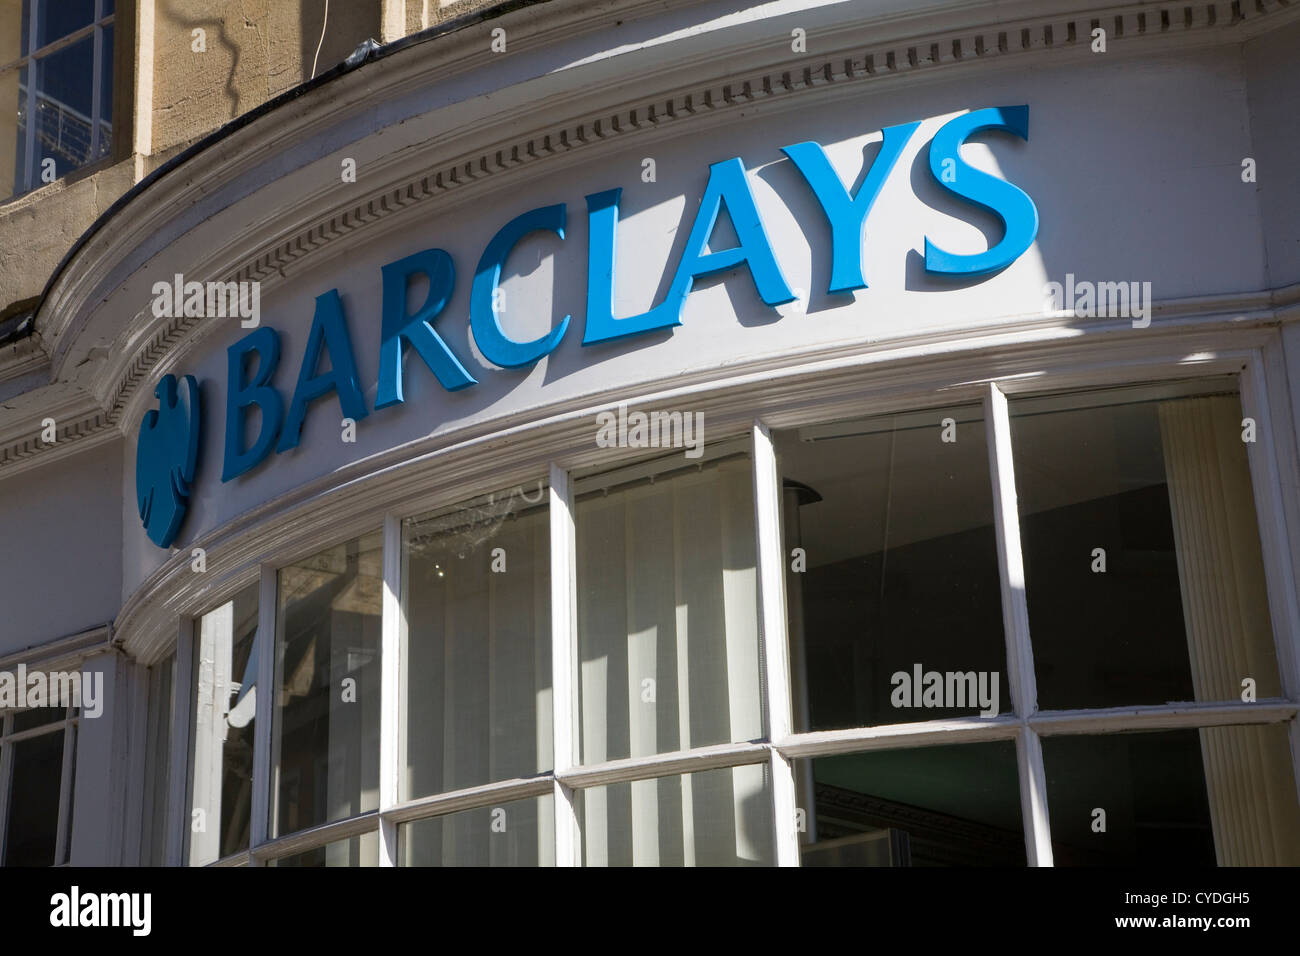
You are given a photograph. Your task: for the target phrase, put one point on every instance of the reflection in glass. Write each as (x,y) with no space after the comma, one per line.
(58,18)
(326,731)
(477,647)
(1143,569)
(362,850)
(13,140)
(225,703)
(517,833)
(667,609)
(955,805)
(64,103)
(896,571)
(712,818)
(1176,798)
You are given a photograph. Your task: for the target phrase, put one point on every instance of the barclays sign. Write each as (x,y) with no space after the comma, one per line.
(166,457)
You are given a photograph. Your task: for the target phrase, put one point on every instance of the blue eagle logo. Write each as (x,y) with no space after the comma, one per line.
(165,458)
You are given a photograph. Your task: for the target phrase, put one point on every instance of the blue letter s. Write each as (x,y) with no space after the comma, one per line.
(1009,203)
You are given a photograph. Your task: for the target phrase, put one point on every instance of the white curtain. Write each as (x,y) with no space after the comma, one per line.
(668,645)
(212,681)
(478,693)
(1248,774)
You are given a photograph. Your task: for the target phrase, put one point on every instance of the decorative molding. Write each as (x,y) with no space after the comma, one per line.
(64,653)
(1213,20)
(785,390)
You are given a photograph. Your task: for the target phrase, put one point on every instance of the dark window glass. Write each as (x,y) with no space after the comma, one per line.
(37,717)
(1143,569)
(32,830)
(157,774)
(58,18)
(1177,798)
(360,850)
(13,88)
(956,805)
(64,102)
(891,569)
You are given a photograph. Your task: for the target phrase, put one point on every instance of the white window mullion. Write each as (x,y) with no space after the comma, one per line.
(64,833)
(564,660)
(178,763)
(1033,798)
(772,626)
(1265,456)
(263,762)
(390,702)
(1015,619)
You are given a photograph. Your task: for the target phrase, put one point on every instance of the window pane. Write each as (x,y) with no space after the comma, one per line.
(58,18)
(326,730)
(38,717)
(64,98)
(158,741)
(13,140)
(362,850)
(221,754)
(477,649)
(712,818)
(667,611)
(32,830)
(956,805)
(1177,798)
(517,833)
(1144,575)
(894,600)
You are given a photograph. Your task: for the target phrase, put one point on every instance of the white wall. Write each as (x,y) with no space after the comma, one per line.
(60,547)
(1133,164)
(1273,84)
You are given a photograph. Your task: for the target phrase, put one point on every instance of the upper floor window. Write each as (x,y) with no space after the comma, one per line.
(56,80)
(37,766)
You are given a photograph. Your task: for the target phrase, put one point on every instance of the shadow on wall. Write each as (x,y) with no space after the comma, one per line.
(272,45)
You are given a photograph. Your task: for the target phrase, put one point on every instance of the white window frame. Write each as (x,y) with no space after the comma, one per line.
(68,723)
(855,391)
(31,59)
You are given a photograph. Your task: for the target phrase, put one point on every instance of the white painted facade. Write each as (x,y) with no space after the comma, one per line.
(1134,161)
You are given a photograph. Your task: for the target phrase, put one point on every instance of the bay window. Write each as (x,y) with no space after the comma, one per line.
(1001,629)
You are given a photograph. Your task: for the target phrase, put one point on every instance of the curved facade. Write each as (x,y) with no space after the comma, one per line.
(601,433)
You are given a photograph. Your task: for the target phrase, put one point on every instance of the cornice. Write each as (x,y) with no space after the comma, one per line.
(518,447)
(313,227)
